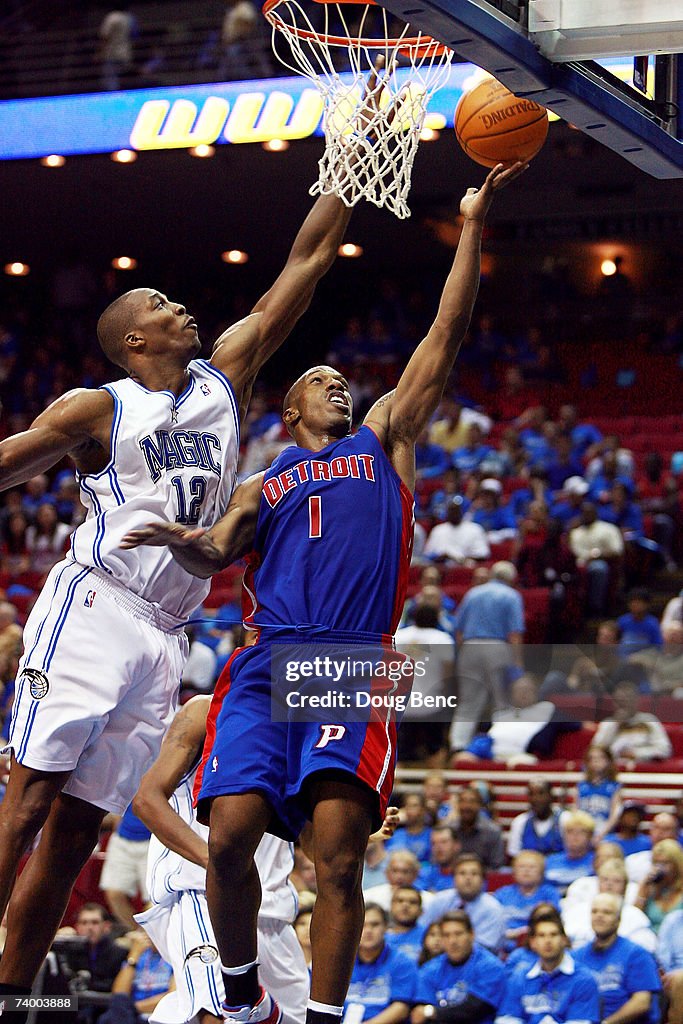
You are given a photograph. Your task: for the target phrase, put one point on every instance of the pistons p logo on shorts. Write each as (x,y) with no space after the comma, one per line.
(38,684)
(329,733)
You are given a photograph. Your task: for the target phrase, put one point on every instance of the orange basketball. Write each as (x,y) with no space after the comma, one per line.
(495,127)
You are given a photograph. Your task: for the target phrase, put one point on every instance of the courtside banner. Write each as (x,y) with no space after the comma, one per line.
(185,116)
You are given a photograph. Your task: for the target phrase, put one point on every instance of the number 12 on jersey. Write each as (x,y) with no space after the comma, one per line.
(315,517)
(189,511)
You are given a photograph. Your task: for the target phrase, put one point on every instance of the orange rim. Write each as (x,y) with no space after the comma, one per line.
(414,46)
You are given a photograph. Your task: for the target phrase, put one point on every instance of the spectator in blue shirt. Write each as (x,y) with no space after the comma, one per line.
(561,869)
(526,892)
(497,519)
(563,463)
(639,628)
(539,827)
(534,439)
(567,505)
(413,834)
(382,979)
(555,990)
(444,851)
(468,458)
(626,974)
(582,435)
(493,611)
(523,957)
(435,787)
(430,459)
(670,956)
(405,935)
(484,910)
(670,943)
(627,834)
(623,512)
(465,984)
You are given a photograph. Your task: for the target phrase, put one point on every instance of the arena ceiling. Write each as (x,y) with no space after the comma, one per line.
(173,207)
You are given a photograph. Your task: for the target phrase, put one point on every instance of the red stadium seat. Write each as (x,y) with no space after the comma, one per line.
(571,746)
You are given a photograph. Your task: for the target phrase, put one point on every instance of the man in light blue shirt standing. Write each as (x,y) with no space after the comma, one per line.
(484,911)
(489,628)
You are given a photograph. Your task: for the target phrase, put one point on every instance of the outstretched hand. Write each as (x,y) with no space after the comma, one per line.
(475,203)
(159,535)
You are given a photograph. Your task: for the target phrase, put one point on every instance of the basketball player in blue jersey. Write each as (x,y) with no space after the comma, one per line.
(104,645)
(328,532)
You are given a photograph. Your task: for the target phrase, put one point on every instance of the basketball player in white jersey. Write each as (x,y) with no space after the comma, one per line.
(104,646)
(178,921)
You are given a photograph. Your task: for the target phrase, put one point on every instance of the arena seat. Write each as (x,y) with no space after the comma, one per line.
(581,706)
(571,746)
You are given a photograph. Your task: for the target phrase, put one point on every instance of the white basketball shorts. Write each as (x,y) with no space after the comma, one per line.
(97,685)
(182,933)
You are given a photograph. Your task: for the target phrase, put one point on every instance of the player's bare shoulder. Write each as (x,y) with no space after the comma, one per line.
(379,417)
(231,353)
(397,443)
(83,417)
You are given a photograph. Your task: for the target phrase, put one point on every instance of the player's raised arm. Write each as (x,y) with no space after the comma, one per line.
(403,414)
(180,750)
(77,424)
(243,349)
(205,552)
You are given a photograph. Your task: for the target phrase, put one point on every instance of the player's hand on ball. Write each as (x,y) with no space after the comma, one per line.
(159,535)
(475,203)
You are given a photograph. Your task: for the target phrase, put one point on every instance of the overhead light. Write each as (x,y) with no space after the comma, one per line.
(17,269)
(608,268)
(234,256)
(435,121)
(203,150)
(429,135)
(124,263)
(124,156)
(53,160)
(350,250)
(275,145)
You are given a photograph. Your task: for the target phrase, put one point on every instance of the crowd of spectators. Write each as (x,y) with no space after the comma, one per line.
(561,923)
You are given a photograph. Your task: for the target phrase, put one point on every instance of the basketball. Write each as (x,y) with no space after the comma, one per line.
(495,127)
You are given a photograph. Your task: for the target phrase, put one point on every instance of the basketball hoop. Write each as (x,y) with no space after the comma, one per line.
(371,137)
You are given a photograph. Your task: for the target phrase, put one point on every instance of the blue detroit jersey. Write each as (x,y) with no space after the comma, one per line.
(333,540)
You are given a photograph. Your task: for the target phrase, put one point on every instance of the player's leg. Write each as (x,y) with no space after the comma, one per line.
(233,890)
(342,822)
(43,889)
(23,812)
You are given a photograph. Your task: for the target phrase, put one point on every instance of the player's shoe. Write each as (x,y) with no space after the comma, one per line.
(266,1011)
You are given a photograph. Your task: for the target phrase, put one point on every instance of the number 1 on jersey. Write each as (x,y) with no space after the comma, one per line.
(315,517)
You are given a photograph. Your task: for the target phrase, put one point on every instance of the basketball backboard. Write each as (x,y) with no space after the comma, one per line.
(532,46)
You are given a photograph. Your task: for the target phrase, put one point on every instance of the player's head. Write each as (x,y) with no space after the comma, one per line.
(319,401)
(143,322)
(406,905)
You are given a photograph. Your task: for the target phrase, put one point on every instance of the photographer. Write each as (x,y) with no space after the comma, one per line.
(661,891)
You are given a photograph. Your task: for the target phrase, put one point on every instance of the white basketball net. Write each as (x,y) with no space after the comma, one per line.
(369,146)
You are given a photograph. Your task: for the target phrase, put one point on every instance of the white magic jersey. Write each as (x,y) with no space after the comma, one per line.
(168,873)
(173,459)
